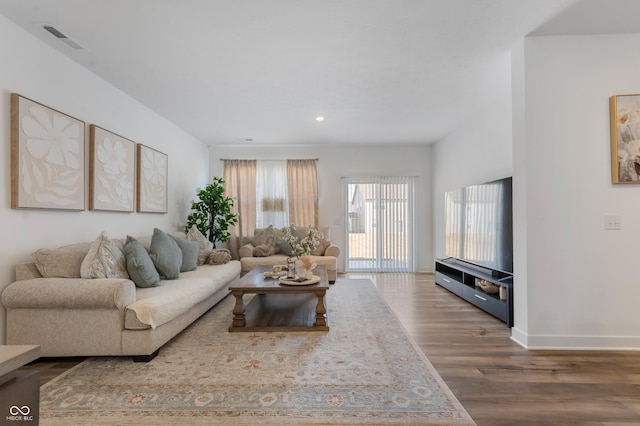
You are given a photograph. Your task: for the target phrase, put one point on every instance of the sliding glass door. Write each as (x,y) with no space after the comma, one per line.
(380,222)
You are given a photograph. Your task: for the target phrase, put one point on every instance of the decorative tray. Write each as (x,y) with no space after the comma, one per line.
(270,274)
(296,281)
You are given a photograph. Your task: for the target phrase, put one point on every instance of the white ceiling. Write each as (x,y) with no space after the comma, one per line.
(380,71)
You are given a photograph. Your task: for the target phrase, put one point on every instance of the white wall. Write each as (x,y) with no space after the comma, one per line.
(520,265)
(39,72)
(581,281)
(336,162)
(479,151)
(575,283)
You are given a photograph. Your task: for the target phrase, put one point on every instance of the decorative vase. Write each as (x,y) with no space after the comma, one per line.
(303,270)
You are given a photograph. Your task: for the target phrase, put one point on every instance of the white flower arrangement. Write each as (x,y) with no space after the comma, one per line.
(303,246)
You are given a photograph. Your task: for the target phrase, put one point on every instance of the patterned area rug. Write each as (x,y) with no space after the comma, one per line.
(366,370)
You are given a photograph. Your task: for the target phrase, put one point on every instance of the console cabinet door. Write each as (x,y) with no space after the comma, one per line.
(486,302)
(449,283)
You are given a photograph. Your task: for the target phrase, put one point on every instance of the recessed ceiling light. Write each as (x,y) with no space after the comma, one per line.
(319,118)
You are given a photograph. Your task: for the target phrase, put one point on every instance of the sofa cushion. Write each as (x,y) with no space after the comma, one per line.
(63,262)
(283,245)
(264,250)
(323,241)
(267,236)
(189,253)
(165,254)
(139,264)
(104,260)
(323,244)
(206,246)
(284,248)
(156,306)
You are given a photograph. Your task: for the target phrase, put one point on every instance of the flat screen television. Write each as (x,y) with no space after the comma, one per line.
(479,224)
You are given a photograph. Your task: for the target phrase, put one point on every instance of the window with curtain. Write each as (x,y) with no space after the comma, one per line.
(272,203)
(270,192)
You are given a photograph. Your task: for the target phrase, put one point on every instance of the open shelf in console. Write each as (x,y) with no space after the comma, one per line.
(464,280)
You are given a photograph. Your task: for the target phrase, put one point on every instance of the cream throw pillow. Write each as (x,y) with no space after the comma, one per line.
(219,257)
(104,260)
(269,237)
(323,244)
(206,246)
(264,250)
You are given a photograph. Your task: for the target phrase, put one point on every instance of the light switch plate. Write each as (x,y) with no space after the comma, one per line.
(612,221)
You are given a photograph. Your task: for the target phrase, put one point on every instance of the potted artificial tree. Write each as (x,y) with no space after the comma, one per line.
(212,213)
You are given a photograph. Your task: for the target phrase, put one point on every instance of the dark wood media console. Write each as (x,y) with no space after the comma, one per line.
(461,278)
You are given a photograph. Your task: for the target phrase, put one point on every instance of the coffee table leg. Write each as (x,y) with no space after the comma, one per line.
(238,310)
(321,310)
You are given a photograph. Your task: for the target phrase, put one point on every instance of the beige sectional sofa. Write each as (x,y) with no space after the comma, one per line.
(68,315)
(251,256)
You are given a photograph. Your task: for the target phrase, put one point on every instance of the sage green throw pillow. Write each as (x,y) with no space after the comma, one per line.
(284,246)
(165,254)
(139,265)
(189,253)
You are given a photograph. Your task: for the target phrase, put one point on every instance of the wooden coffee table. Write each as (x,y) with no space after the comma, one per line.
(279,307)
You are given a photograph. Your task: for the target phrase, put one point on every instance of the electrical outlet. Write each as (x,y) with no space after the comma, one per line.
(612,221)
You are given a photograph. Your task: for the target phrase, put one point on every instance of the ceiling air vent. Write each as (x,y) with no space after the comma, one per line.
(62,37)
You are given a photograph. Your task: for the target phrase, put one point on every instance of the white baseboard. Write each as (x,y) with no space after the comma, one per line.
(548,342)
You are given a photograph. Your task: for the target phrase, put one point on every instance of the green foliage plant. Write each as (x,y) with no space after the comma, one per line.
(212,214)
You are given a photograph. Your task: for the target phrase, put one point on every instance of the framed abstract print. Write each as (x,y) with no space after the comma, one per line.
(47,157)
(112,170)
(152,173)
(625,138)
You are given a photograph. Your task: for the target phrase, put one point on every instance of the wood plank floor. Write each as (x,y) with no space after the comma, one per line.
(497,381)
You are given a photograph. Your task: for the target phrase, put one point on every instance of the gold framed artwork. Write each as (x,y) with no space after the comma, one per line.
(111,171)
(152,170)
(47,157)
(625,138)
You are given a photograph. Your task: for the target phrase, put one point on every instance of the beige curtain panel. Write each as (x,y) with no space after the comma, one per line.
(240,184)
(302,180)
